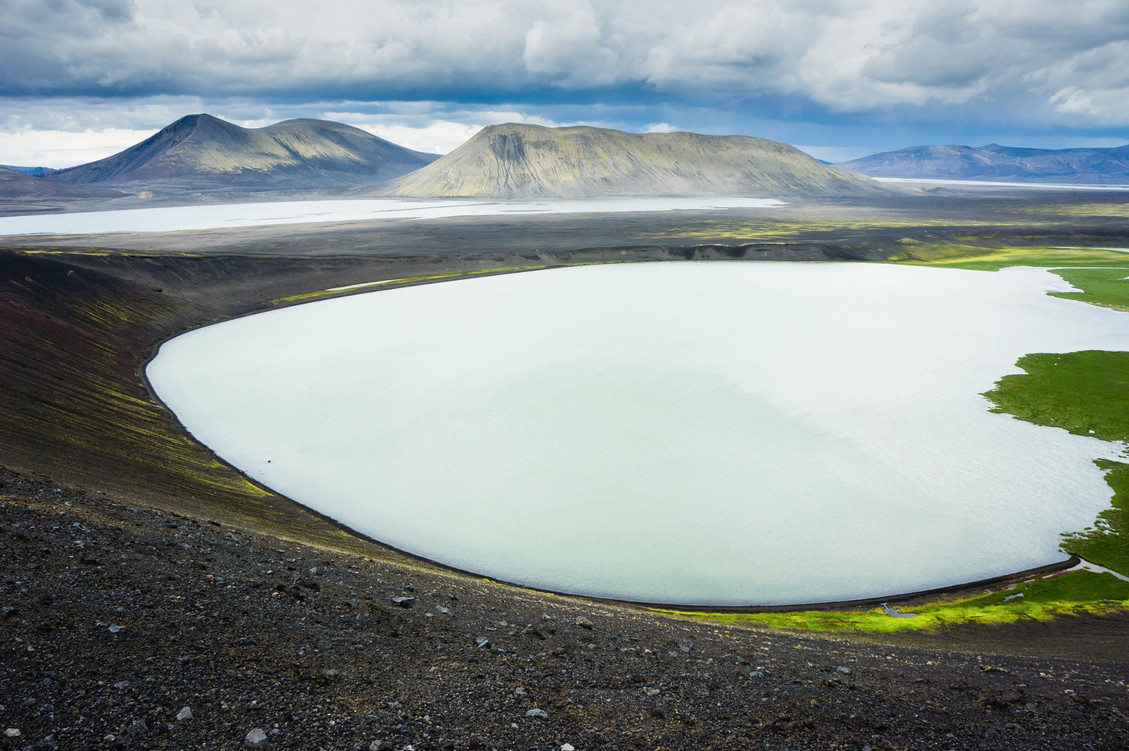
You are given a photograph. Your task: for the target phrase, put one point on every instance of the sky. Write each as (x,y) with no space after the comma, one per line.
(83,79)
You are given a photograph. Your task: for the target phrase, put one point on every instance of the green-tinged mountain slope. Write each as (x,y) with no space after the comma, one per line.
(530,161)
(204,151)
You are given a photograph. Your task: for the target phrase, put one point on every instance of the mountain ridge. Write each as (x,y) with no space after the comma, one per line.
(203,150)
(995,162)
(33,171)
(516,161)
(19,185)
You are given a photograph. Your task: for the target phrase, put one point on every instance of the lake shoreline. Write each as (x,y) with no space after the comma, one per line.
(341,662)
(955,588)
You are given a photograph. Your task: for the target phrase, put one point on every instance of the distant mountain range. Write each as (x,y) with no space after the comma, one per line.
(530,161)
(17,185)
(1108,166)
(201,151)
(27,170)
(207,155)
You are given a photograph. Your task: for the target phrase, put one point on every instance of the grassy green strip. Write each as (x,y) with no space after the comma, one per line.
(1106,287)
(1085,393)
(1037,599)
(770,229)
(399,281)
(1081,210)
(1107,542)
(980,258)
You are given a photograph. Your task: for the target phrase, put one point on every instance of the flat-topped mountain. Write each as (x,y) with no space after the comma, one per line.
(531,161)
(995,162)
(204,151)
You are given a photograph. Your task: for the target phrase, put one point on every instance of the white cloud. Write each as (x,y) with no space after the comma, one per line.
(64,148)
(1103,106)
(74,114)
(851,56)
(566,47)
(494,116)
(1042,62)
(423,132)
(441,137)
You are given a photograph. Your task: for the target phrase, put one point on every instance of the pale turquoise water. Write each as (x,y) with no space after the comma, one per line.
(710,433)
(218,216)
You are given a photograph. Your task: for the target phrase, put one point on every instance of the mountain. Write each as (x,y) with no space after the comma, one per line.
(530,161)
(206,152)
(20,186)
(995,162)
(28,170)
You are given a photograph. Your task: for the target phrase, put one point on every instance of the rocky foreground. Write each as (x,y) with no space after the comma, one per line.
(131,628)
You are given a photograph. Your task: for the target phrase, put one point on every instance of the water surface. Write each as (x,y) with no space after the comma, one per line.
(219,216)
(696,433)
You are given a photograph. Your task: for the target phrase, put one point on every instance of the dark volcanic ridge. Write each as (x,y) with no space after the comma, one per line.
(200,151)
(530,161)
(1108,166)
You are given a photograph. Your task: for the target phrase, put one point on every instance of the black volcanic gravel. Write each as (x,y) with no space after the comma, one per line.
(116,620)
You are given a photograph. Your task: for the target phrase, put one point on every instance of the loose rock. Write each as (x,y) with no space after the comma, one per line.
(241,655)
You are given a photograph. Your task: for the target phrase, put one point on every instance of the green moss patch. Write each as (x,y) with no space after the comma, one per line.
(1100,286)
(1086,393)
(986,258)
(1081,210)
(1040,599)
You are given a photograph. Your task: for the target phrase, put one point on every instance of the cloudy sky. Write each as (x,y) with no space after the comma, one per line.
(81,79)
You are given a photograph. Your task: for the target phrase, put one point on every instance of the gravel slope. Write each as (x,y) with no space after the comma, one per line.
(116,619)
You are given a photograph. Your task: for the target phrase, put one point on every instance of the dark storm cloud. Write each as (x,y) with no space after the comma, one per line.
(1042,62)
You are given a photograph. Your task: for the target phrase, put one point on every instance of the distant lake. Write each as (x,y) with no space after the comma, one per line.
(218,216)
(696,433)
